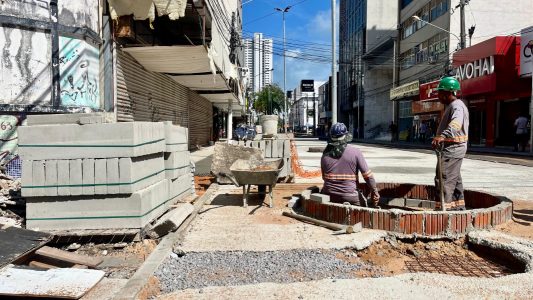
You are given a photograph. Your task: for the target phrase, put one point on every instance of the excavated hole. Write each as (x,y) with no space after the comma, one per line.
(457,258)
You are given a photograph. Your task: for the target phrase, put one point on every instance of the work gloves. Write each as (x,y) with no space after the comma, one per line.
(374,197)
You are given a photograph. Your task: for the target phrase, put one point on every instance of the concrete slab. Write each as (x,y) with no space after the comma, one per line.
(176,137)
(27,178)
(100,177)
(76,177)
(38,178)
(177,164)
(268,149)
(70,141)
(180,187)
(225,155)
(113,176)
(97,212)
(286,148)
(170,221)
(248,229)
(321,198)
(275,148)
(88,177)
(53,119)
(140,172)
(63,178)
(50,178)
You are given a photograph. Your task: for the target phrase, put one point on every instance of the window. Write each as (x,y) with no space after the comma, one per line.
(404,110)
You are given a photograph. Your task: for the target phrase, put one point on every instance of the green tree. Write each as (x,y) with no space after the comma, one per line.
(269,100)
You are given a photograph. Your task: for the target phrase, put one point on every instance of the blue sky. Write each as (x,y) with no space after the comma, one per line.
(308,35)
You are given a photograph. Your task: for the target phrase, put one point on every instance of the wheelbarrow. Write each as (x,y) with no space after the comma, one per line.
(262,173)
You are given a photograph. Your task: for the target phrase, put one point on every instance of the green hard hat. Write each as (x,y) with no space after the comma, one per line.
(449,84)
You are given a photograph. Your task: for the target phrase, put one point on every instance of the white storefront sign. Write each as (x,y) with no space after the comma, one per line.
(477,68)
(526,52)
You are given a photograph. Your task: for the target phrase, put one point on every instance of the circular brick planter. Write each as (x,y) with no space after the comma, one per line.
(487,211)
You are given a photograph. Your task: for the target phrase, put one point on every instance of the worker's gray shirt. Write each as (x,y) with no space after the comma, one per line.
(454,129)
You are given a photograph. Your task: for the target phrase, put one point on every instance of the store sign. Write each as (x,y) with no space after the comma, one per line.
(477,68)
(406,90)
(307,85)
(526,52)
(428,91)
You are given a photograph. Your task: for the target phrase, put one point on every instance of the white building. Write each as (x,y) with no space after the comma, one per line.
(258,59)
(304,110)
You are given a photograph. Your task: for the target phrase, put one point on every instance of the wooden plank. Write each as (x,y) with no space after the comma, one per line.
(74,258)
(53,283)
(18,244)
(41,265)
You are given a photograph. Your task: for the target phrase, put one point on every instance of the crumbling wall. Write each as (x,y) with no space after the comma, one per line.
(25,68)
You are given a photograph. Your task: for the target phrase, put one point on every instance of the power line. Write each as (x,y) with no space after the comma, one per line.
(274,12)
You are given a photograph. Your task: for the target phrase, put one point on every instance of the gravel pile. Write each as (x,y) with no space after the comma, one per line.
(198,270)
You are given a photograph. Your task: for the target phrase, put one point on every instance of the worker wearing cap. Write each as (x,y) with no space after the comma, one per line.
(452,138)
(341,164)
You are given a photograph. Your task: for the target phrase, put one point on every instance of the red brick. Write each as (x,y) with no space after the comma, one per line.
(375,220)
(427,222)
(407,224)
(413,223)
(434,224)
(419,224)
(366,219)
(401,223)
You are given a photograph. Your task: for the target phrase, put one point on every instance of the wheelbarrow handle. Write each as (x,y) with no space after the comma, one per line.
(230,177)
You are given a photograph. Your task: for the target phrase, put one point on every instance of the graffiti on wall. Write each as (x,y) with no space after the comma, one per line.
(79,70)
(9,136)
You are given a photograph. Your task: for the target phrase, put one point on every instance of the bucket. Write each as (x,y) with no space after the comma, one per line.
(270,124)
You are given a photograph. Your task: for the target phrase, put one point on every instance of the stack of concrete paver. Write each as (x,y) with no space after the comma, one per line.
(271,149)
(178,169)
(96,176)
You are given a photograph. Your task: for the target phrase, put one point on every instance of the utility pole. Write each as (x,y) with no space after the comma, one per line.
(283,11)
(333,66)
(462,5)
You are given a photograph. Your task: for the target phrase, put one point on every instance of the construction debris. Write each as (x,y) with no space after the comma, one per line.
(17,243)
(69,257)
(170,221)
(53,283)
(12,205)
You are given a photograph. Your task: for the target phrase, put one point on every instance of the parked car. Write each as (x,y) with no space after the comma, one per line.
(244,132)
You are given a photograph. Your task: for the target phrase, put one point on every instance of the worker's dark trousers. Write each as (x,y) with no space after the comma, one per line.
(453,183)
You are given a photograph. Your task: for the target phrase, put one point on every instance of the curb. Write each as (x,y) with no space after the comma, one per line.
(141,277)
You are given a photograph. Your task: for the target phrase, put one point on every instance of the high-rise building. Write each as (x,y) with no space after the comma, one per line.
(366,37)
(258,53)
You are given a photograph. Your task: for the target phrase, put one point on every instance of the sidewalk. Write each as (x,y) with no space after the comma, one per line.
(497,151)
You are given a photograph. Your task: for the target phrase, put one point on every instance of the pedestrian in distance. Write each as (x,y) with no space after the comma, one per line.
(423,132)
(393,128)
(341,164)
(521,133)
(451,140)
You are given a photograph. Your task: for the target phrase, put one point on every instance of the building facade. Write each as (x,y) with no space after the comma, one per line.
(304,115)
(367,32)
(99,56)
(426,52)
(258,59)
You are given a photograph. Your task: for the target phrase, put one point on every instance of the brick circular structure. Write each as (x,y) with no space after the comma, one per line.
(487,210)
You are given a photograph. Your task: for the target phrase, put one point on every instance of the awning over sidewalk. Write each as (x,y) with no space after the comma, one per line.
(191,66)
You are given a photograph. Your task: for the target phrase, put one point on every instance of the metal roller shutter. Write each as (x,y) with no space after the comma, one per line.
(201,120)
(143,95)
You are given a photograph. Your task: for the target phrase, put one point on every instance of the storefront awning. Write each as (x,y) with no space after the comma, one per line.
(406,90)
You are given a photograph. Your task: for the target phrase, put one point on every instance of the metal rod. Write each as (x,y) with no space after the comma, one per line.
(328,225)
(54,36)
(284,79)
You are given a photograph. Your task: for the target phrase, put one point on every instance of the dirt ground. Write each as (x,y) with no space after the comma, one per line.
(522,224)
(120,261)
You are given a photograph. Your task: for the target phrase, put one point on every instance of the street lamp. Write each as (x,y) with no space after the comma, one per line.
(417,18)
(283,11)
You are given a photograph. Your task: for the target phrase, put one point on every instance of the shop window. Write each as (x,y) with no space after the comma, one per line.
(405,110)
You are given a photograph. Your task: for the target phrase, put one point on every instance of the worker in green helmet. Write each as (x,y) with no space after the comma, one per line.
(451,139)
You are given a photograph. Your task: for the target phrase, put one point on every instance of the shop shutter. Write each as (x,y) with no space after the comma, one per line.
(201,120)
(143,95)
